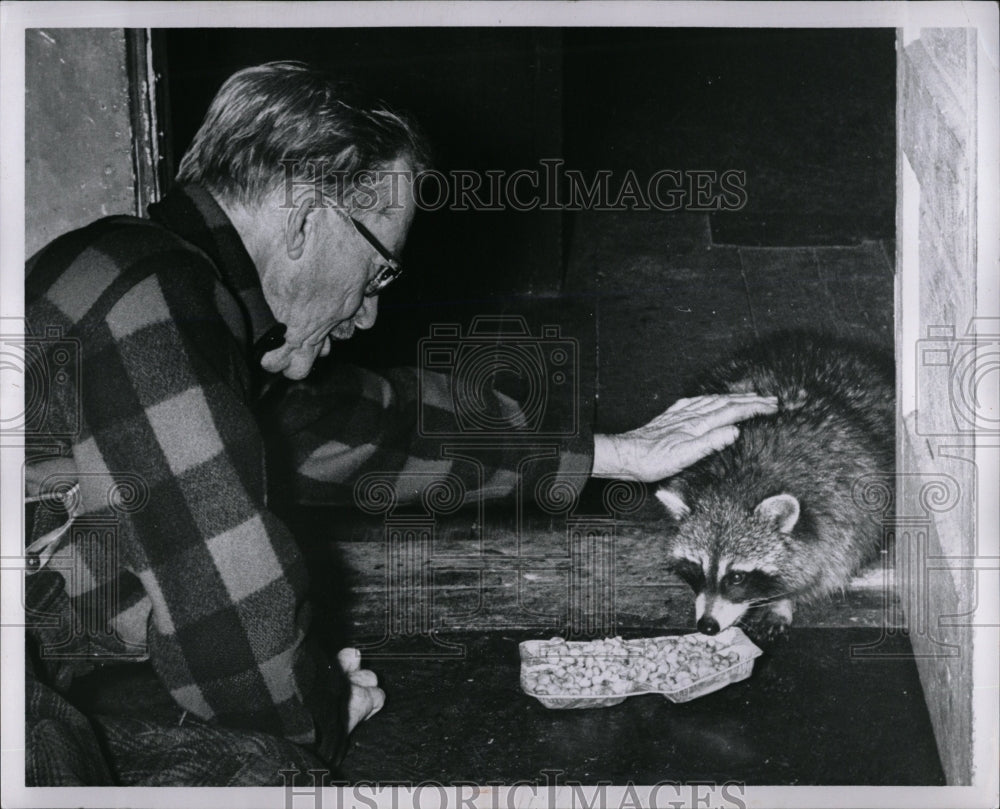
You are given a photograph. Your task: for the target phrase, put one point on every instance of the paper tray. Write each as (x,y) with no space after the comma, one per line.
(731,640)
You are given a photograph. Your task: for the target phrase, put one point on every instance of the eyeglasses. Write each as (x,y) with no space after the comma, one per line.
(390,268)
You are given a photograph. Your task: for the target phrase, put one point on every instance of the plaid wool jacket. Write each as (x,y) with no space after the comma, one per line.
(150,437)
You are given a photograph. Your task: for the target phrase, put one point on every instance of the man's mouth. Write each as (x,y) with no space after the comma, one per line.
(343,331)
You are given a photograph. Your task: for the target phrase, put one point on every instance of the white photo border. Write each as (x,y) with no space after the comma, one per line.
(15,18)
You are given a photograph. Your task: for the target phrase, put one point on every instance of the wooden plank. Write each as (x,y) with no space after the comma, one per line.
(538,583)
(935,595)
(936,492)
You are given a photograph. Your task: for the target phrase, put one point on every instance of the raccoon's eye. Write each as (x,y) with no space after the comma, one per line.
(736,577)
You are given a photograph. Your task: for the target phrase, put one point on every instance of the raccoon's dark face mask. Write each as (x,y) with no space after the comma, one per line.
(691,572)
(737,586)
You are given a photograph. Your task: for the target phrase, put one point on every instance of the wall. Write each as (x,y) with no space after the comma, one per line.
(947,387)
(78,145)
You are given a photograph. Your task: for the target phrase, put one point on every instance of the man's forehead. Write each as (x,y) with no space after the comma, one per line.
(400,208)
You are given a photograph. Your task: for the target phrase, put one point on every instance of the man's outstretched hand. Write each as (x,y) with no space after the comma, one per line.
(682,435)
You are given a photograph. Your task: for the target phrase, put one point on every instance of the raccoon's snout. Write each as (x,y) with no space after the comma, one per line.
(708,625)
(714,613)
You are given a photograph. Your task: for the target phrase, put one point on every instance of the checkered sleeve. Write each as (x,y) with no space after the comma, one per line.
(408,425)
(226,580)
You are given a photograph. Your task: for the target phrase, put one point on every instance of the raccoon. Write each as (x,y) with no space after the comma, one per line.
(772,519)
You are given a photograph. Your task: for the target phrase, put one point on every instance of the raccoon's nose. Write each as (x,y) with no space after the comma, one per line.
(708,626)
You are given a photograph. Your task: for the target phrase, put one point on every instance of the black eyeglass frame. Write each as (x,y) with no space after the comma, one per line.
(389,271)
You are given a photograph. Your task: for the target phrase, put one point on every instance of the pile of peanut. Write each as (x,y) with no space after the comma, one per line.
(612,666)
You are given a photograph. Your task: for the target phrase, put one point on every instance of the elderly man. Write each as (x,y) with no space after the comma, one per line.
(180,319)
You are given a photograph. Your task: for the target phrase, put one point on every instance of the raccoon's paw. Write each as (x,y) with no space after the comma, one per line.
(766,630)
(776,629)
(767,626)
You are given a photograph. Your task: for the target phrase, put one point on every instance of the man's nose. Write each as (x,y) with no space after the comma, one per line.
(365,318)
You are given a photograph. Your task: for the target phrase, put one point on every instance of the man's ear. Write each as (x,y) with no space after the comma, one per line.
(674,502)
(297,225)
(782,510)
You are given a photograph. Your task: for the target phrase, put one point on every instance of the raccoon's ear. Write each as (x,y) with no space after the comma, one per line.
(782,510)
(674,503)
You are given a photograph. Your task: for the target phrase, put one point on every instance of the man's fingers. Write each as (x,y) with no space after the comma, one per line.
(371,702)
(712,441)
(709,414)
(364,704)
(366,698)
(349,659)
(721,437)
(734,412)
(374,700)
(364,677)
(728,407)
(726,401)
(378,700)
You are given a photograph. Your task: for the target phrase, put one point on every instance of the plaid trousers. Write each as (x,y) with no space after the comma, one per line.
(135,735)
(63,747)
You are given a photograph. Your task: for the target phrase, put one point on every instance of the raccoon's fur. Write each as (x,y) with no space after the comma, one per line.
(773,518)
